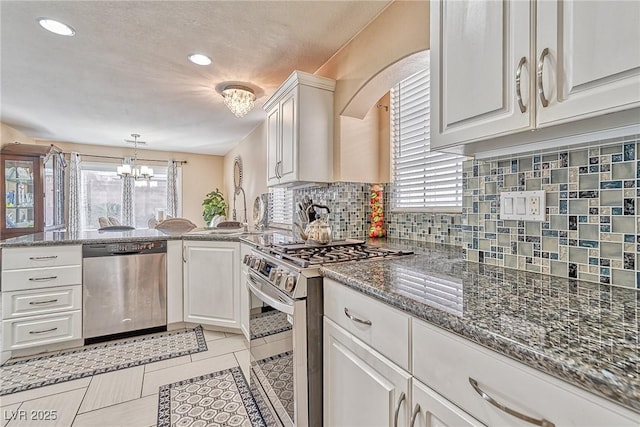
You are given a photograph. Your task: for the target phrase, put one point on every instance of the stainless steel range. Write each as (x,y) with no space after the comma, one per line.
(286,331)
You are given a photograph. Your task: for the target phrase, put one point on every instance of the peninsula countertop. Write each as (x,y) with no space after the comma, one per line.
(585,333)
(54,238)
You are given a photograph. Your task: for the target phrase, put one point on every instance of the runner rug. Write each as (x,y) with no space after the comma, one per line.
(26,374)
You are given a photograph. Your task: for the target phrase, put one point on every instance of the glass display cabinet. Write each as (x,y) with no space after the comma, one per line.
(33,188)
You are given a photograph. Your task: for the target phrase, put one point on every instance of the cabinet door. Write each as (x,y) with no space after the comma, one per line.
(211,284)
(22,209)
(432,410)
(289,148)
(477,48)
(593,62)
(361,387)
(273,145)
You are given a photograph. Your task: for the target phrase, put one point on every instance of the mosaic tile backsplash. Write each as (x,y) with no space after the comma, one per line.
(591,228)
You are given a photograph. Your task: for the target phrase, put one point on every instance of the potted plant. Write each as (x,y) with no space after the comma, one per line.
(214,205)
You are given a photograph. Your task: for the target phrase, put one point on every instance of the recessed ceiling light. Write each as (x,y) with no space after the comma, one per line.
(200,59)
(56,27)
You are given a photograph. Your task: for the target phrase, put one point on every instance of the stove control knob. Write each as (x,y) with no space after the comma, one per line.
(277,277)
(272,274)
(290,282)
(247,259)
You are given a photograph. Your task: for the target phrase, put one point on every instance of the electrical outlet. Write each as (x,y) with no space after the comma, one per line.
(534,205)
(523,205)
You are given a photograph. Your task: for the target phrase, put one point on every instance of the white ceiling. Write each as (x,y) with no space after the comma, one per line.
(126,69)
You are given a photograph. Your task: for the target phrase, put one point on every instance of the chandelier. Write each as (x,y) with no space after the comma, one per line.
(129,168)
(239,99)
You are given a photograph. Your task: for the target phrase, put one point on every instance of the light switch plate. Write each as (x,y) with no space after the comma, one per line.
(523,205)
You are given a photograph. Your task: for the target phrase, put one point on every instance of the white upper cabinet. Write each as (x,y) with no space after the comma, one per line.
(589,53)
(504,67)
(477,50)
(300,130)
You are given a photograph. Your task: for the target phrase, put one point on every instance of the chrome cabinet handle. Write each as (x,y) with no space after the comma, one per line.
(485,396)
(184,257)
(42,258)
(416,411)
(397,412)
(355,319)
(43,302)
(543,100)
(43,332)
(523,108)
(39,279)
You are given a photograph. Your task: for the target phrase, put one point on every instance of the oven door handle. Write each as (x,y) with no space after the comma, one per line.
(269,296)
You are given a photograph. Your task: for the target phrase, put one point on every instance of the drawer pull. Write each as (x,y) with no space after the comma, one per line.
(42,258)
(416,411)
(43,332)
(40,279)
(397,412)
(43,302)
(355,319)
(485,396)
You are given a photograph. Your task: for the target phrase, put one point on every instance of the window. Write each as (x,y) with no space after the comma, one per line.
(280,206)
(423,180)
(101,194)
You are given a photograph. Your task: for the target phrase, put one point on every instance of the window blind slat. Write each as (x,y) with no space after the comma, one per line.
(422,178)
(280,205)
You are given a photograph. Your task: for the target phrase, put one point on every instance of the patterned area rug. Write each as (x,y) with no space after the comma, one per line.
(26,374)
(219,399)
(268,323)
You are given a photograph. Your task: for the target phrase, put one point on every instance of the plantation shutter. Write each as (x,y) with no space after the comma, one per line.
(280,205)
(423,179)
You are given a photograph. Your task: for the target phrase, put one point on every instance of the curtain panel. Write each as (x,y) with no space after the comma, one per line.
(73,219)
(172,189)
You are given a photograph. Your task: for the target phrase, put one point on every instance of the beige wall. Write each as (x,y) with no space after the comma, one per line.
(401,30)
(253,152)
(201,174)
(9,135)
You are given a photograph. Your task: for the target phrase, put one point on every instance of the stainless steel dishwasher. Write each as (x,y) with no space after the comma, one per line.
(124,287)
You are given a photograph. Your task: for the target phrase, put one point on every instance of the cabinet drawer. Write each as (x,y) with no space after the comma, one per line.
(385,329)
(38,278)
(41,256)
(41,330)
(446,363)
(41,301)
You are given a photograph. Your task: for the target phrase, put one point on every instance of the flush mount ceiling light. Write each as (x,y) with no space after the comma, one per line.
(56,27)
(239,99)
(200,59)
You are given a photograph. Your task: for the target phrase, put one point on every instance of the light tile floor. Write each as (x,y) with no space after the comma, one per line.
(128,397)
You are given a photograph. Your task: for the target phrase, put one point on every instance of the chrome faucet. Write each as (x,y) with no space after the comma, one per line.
(244,200)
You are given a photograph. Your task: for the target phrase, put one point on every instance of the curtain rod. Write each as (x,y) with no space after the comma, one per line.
(184,162)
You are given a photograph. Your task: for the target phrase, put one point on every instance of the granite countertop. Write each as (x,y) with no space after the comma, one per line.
(139,235)
(584,333)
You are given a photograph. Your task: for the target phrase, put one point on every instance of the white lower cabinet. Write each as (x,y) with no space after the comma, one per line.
(211,283)
(245,297)
(41,298)
(175,297)
(432,410)
(361,387)
(450,364)
(450,380)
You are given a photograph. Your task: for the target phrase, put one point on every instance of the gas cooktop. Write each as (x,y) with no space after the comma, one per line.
(305,254)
